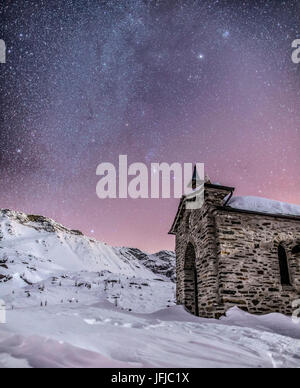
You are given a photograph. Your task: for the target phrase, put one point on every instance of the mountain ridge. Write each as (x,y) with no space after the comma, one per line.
(35,249)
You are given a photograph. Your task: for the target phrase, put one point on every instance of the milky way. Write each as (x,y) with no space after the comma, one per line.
(159,81)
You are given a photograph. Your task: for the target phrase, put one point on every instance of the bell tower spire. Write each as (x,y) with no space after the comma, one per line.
(196,181)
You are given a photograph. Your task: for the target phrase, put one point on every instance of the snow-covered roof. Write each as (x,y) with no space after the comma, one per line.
(263,205)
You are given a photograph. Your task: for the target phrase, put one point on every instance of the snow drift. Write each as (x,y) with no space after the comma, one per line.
(264,205)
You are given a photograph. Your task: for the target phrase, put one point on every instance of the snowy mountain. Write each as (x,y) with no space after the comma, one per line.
(74,302)
(39,241)
(35,251)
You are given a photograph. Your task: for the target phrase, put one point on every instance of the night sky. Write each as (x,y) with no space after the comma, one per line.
(159,81)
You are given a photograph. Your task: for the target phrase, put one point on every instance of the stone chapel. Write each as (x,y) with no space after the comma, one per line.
(231,257)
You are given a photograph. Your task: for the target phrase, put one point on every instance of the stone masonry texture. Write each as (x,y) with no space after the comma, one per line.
(227,258)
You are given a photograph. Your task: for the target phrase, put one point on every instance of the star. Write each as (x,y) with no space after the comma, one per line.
(226,34)
(87,81)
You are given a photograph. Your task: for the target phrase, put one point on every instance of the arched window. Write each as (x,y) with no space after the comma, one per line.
(296,250)
(284,267)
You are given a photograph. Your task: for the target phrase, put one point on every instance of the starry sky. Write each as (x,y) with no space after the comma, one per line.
(158,80)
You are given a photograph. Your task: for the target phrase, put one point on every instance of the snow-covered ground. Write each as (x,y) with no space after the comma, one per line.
(75,302)
(100,335)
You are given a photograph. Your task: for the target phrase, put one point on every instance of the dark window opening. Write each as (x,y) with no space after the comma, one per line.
(296,250)
(284,267)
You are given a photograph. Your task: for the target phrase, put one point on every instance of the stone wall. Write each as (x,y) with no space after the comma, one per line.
(249,270)
(236,258)
(201,236)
